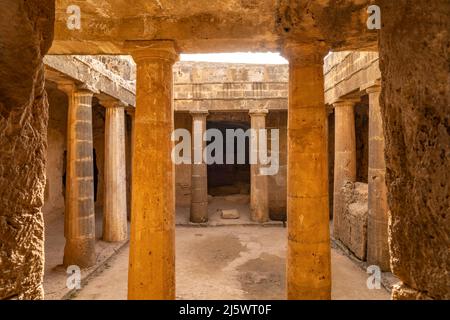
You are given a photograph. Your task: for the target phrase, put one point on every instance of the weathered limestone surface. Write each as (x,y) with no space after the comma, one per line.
(415,102)
(183,176)
(345,73)
(259,200)
(278,182)
(230,86)
(308,256)
(377,238)
(199,179)
(115,202)
(353,231)
(152,240)
(56,165)
(96,72)
(414,108)
(203,26)
(229,214)
(344,157)
(26,29)
(79,215)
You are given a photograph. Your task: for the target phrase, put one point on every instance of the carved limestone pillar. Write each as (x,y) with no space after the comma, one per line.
(377,227)
(115,195)
(259,198)
(309,252)
(344,157)
(79,216)
(199,177)
(152,241)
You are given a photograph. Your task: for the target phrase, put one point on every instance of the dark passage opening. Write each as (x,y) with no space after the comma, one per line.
(362,139)
(95,174)
(227,179)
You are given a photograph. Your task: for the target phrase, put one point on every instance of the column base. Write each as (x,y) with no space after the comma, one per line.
(199,212)
(115,238)
(80,252)
(260,217)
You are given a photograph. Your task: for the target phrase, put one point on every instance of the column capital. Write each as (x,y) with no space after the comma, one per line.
(199,113)
(372,87)
(66,86)
(258,112)
(304,54)
(153,50)
(70,87)
(345,103)
(111,102)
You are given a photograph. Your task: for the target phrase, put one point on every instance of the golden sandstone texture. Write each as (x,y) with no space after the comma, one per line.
(415,104)
(26,29)
(414,53)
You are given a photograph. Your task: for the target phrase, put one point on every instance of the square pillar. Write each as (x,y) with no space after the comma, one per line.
(151,272)
(259,198)
(199,172)
(377,225)
(344,157)
(115,226)
(309,251)
(79,215)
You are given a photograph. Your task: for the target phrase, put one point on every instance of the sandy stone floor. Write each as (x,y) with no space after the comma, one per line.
(231,262)
(55,276)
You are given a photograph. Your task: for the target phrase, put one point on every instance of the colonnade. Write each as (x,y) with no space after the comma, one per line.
(79,217)
(345,171)
(152,240)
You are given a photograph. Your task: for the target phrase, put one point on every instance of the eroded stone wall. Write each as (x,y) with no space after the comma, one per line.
(346,72)
(353,232)
(415,106)
(229,86)
(26,29)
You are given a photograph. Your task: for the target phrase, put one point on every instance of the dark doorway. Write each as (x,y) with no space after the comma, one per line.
(94,154)
(362,140)
(64,174)
(228,179)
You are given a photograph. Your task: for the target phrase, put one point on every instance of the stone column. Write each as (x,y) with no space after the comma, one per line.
(377,228)
(259,199)
(199,177)
(115,195)
(309,253)
(344,157)
(152,244)
(79,216)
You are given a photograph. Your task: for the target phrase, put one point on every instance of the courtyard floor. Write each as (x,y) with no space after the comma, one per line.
(231,262)
(225,259)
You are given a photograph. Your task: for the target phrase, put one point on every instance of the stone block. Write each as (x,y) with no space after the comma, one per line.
(229,214)
(353,232)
